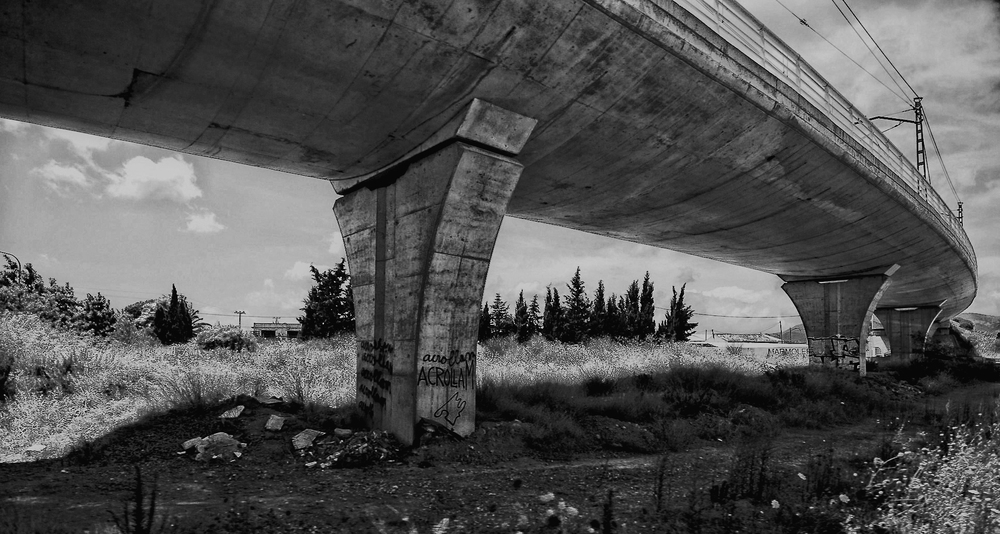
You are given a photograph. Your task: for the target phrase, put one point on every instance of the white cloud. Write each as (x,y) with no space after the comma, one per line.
(736,293)
(270,300)
(204,223)
(60,177)
(169,178)
(82,143)
(337,245)
(7,125)
(301,271)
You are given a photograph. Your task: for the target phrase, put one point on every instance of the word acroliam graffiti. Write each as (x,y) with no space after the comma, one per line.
(375,360)
(457,370)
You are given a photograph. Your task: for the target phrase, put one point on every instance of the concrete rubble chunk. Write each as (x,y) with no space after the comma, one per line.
(269,400)
(232,413)
(220,446)
(305,438)
(274,423)
(343,433)
(38,447)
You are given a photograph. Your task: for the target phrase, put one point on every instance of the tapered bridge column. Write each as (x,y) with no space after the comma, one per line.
(908,328)
(419,237)
(836,312)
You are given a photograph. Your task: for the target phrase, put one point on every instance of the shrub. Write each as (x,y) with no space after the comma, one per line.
(226,337)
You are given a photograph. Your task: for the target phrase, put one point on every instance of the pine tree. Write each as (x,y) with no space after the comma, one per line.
(96,316)
(503,323)
(521,319)
(577,314)
(677,325)
(534,316)
(329,305)
(599,314)
(647,322)
(485,331)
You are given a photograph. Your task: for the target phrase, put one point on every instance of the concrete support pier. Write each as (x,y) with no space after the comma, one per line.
(419,236)
(908,328)
(836,312)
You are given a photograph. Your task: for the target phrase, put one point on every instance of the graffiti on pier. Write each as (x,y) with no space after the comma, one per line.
(451,412)
(375,360)
(457,370)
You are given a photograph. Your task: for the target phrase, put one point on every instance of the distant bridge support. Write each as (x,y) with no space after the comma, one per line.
(908,328)
(836,312)
(419,237)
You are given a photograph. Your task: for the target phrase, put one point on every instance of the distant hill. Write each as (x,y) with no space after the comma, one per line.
(794,334)
(982,322)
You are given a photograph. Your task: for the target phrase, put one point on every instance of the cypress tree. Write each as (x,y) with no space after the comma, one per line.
(484,323)
(677,325)
(534,316)
(647,321)
(554,318)
(613,318)
(599,314)
(630,311)
(577,312)
(521,319)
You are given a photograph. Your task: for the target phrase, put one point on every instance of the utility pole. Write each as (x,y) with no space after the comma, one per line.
(240,313)
(918,121)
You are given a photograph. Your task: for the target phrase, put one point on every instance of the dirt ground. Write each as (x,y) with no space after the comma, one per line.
(486,483)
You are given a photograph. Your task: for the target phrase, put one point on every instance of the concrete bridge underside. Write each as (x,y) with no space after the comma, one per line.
(624,118)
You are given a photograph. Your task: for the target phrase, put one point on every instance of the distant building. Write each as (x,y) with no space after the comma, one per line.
(277,330)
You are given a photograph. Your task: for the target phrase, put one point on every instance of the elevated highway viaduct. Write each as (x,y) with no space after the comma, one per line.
(433,118)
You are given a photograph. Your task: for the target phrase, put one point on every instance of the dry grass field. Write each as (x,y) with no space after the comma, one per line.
(601,437)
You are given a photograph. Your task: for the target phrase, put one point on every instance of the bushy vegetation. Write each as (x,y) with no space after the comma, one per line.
(226,337)
(23,290)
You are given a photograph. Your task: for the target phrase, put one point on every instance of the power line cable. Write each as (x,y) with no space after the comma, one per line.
(747,316)
(901,77)
(940,158)
(870,51)
(806,24)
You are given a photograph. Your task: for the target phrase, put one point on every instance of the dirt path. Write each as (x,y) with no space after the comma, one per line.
(476,494)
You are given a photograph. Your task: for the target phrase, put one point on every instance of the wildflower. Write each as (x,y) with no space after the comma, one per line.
(844,498)
(550,512)
(547,497)
(803,477)
(572,512)
(775,504)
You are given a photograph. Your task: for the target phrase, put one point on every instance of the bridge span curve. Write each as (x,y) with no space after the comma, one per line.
(647,125)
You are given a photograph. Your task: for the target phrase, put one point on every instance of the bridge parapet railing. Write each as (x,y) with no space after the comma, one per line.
(742,30)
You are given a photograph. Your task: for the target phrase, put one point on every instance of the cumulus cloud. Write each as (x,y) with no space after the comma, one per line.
(141,178)
(301,271)
(62,177)
(204,223)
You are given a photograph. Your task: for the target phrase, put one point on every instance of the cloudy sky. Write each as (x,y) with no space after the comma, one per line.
(129,220)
